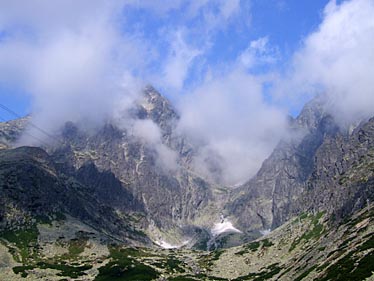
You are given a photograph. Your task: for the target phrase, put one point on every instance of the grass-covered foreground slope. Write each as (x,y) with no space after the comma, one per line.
(306,248)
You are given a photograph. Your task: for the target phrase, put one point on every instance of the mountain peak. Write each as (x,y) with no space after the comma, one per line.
(155,106)
(312,112)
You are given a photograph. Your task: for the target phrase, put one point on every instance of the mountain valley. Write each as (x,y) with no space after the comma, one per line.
(113,203)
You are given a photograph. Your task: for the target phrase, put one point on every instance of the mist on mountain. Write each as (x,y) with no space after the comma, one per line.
(88,71)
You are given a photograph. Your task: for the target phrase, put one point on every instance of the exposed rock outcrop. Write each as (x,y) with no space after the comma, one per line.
(322,167)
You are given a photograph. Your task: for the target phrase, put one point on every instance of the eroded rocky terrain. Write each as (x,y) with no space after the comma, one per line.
(308,247)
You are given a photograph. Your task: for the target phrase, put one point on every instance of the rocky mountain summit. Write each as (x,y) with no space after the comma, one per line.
(321,167)
(91,193)
(125,170)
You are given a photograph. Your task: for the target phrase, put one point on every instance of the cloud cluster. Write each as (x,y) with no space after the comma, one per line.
(178,63)
(229,118)
(337,60)
(69,56)
(259,52)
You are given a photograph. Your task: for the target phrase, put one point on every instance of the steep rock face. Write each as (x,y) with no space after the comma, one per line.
(10,131)
(158,109)
(343,179)
(32,188)
(155,107)
(171,197)
(107,188)
(265,201)
(321,168)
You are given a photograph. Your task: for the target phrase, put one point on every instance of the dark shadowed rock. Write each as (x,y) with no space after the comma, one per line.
(31,188)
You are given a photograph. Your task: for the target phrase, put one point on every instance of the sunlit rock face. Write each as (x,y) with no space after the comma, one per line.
(147,157)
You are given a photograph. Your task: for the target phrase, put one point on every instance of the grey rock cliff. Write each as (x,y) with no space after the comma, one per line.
(170,198)
(314,170)
(32,188)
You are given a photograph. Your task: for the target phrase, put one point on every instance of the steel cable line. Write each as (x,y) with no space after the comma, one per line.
(7,109)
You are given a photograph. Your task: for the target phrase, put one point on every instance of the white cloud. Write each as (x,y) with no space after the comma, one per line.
(228,117)
(259,52)
(338,60)
(147,130)
(149,133)
(51,16)
(69,56)
(179,62)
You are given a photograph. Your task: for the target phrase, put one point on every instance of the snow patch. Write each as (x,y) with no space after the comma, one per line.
(224,226)
(265,232)
(166,245)
(236,185)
